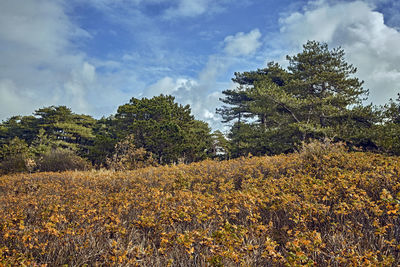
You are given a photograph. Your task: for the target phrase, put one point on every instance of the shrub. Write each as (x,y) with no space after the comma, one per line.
(195,215)
(15,157)
(15,163)
(316,149)
(128,157)
(61,160)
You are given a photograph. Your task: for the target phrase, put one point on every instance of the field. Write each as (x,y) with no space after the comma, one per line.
(333,208)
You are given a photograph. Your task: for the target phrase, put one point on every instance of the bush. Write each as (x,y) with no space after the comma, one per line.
(13,164)
(315,150)
(317,155)
(15,157)
(128,157)
(196,215)
(62,160)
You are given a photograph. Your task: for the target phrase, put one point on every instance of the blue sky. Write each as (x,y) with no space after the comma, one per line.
(94,55)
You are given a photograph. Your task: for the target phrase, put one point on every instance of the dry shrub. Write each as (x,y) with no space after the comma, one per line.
(128,157)
(196,215)
(62,160)
(316,149)
(316,155)
(14,163)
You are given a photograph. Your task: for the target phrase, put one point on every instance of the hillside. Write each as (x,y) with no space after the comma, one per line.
(316,207)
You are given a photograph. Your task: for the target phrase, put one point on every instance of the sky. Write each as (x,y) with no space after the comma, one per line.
(95,55)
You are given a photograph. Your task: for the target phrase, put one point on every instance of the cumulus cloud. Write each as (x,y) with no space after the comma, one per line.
(41,65)
(202,101)
(76,87)
(203,92)
(12,102)
(242,44)
(370,44)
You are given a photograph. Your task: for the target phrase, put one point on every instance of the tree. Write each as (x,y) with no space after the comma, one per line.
(68,129)
(221,148)
(388,136)
(65,128)
(316,97)
(164,128)
(23,127)
(104,142)
(237,100)
(198,142)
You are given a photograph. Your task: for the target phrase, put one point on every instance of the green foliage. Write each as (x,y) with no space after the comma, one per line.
(64,128)
(237,100)
(164,128)
(316,97)
(388,133)
(221,147)
(41,144)
(104,141)
(197,142)
(67,129)
(14,156)
(23,127)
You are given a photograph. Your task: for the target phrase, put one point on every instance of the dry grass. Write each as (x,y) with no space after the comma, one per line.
(267,211)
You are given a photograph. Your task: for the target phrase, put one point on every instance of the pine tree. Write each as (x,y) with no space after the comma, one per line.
(316,97)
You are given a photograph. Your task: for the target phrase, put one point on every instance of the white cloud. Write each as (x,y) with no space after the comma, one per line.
(76,87)
(203,92)
(42,66)
(202,101)
(168,85)
(12,102)
(243,44)
(173,9)
(188,8)
(370,45)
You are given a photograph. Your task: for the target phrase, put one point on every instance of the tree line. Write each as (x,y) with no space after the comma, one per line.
(271,111)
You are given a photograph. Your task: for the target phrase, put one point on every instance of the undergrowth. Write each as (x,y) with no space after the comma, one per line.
(333,209)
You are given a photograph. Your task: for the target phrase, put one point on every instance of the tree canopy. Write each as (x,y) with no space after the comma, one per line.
(317,96)
(271,111)
(164,128)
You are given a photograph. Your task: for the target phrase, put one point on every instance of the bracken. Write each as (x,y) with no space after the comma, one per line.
(259,211)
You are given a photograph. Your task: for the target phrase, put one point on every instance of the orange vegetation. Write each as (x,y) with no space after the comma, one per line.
(338,209)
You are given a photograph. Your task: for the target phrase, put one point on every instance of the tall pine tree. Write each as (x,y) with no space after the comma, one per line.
(317,96)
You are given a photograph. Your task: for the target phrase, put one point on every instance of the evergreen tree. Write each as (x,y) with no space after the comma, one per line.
(103,146)
(388,133)
(316,97)
(221,148)
(67,129)
(164,128)
(23,127)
